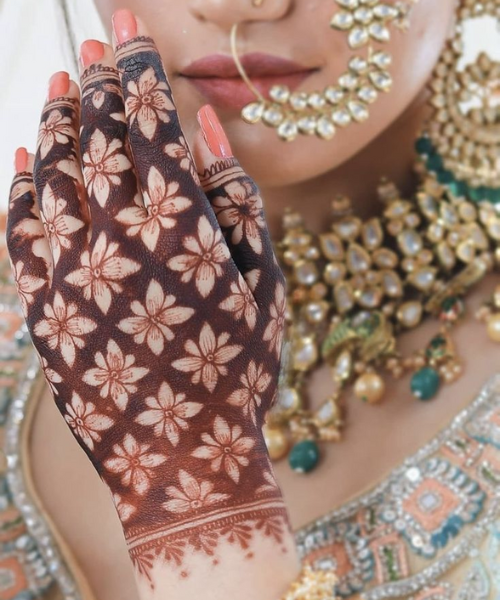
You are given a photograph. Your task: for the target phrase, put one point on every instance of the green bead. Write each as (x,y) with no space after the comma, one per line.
(304,456)
(445,177)
(477,194)
(423,145)
(425,383)
(459,189)
(435,163)
(494,195)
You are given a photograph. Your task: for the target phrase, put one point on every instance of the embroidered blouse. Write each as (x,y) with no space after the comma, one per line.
(429,531)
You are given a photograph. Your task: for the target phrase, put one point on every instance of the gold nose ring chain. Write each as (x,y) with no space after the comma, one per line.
(367,25)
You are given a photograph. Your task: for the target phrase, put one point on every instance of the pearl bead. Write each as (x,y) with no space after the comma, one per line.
(370,387)
(276,442)
(494,328)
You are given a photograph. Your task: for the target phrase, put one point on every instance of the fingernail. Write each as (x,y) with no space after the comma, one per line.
(21,160)
(58,84)
(90,52)
(124,25)
(214,135)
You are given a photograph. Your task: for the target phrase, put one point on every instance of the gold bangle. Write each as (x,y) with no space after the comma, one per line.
(312,585)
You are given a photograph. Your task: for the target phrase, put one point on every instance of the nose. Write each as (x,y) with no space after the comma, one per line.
(225,13)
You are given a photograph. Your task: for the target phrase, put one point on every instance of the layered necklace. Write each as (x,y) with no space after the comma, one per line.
(355,288)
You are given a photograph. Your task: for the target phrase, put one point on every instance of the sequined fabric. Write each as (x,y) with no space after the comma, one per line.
(430,531)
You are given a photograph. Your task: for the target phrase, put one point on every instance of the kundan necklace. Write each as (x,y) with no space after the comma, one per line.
(354,288)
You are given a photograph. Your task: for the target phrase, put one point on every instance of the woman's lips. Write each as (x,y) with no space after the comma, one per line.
(217,77)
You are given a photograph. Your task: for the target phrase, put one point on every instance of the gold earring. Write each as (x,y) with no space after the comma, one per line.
(462,140)
(367,24)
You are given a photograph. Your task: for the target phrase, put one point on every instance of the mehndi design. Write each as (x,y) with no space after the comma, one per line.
(158,325)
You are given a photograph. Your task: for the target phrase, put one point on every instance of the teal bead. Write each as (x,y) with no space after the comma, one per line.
(478,194)
(304,456)
(435,163)
(494,195)
(445,177)
(425,383)
(423,145)
(459,189)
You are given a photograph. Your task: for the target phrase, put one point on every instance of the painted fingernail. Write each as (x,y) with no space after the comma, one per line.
(214,134)
(90,52)
(124,25)
(58,84)
(21,160)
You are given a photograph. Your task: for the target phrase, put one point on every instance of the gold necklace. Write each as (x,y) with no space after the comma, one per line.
(352,290)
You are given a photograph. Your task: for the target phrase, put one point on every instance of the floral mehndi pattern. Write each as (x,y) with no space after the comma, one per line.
(160,342)
(55,129)
(101,271)
(241,209)
(102,165)
(162,203)
(148,103)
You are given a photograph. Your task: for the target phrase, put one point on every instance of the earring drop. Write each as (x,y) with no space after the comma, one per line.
(462,140)
(367,25)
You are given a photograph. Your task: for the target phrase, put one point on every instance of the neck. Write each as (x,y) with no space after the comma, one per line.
(390,155)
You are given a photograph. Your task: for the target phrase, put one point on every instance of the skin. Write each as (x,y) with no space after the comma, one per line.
(305,169)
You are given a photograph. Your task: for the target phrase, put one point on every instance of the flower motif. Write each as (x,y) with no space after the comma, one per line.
(161,204)
(147,101)
(182,153)
(208,357)
(275,329)
(255,382)
(55,128)
(57,225)
(26,285)
(50,375)
(168,413)
(227,449)
(193,496)
(206,253)
(29,229)
(125,511)
(241,303)
(115,375)
(100,272)
(64,328)
(135,464)
(152,321)
(101,164)
(85,422)
(241,209)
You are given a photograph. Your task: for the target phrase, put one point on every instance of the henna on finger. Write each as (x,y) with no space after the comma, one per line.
(166,359)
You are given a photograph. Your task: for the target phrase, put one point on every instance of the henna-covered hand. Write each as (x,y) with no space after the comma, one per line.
(157,308)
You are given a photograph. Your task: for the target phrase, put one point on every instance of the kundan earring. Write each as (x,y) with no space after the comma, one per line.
(367,25)
(462,139)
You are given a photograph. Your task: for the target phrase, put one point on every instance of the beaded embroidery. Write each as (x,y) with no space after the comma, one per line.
(438,511)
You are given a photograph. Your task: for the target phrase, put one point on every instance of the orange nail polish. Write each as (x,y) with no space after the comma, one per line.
(58,84)
(90,52)
(214,134)
(21,160)
(124,25)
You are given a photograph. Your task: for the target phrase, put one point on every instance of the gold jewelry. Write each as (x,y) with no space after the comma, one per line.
(465,128)
(354,289)
(257,3)
(312,585)
(367,24)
